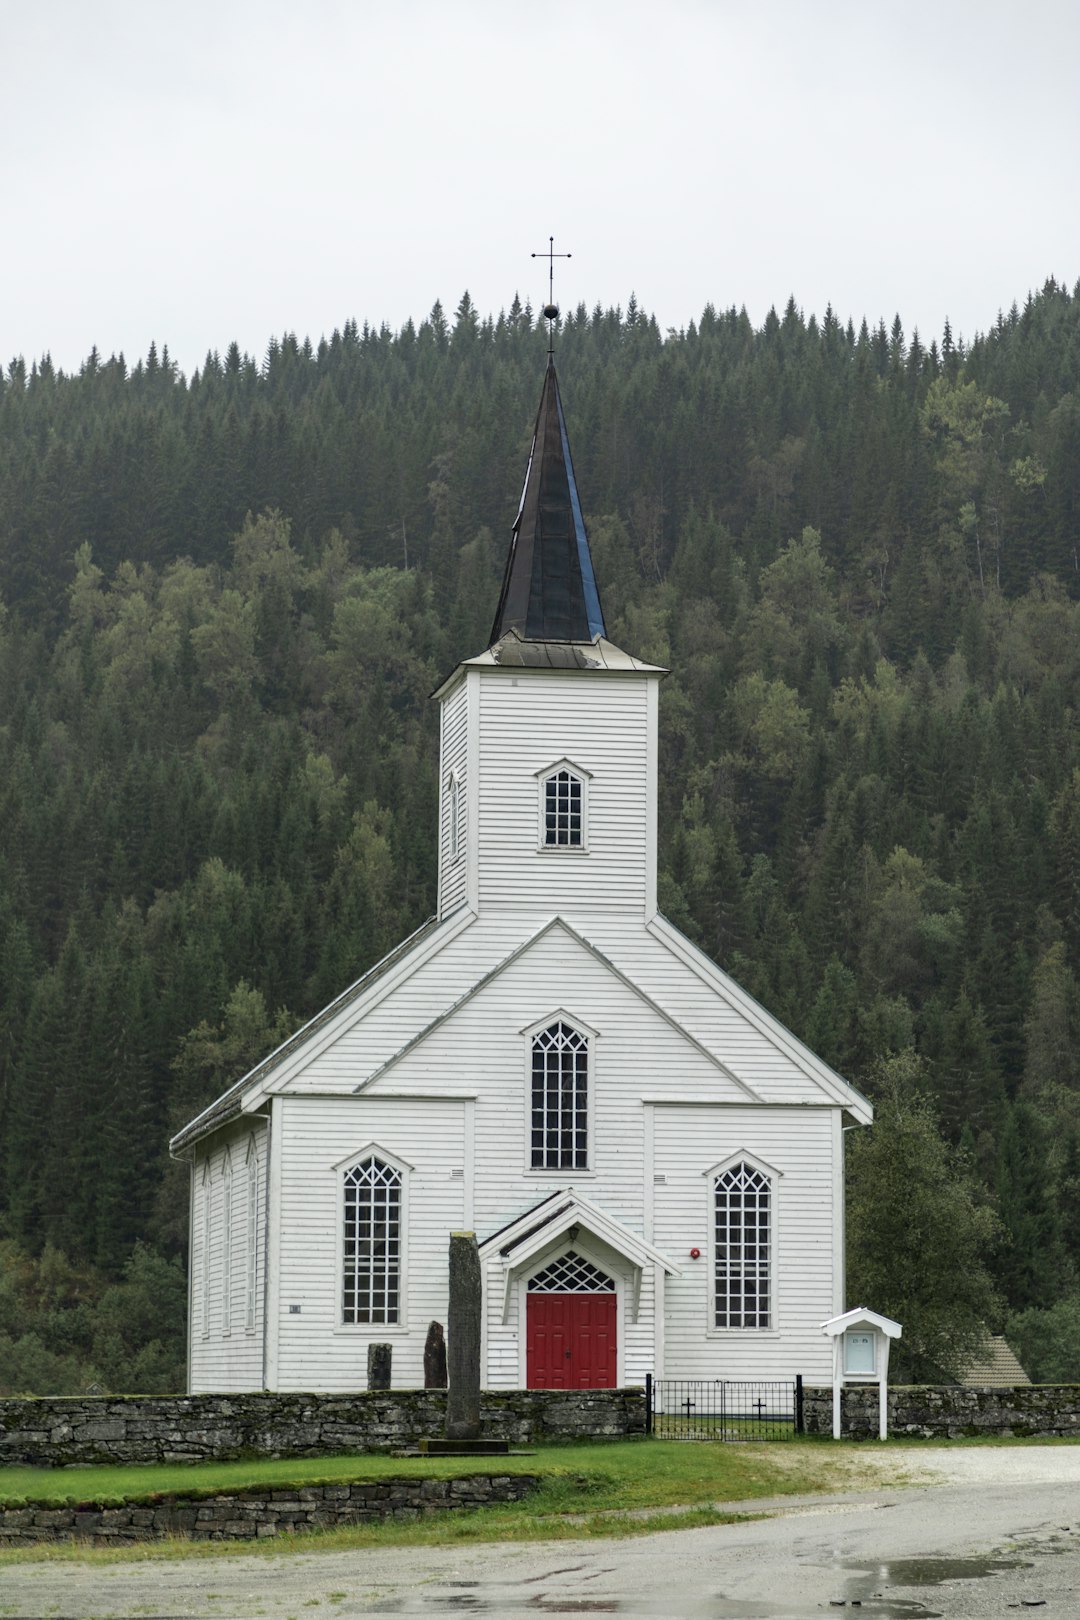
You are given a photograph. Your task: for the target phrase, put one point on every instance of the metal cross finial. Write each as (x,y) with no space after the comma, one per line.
(551,308)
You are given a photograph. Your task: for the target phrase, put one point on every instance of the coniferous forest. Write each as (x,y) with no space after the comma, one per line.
(225,599)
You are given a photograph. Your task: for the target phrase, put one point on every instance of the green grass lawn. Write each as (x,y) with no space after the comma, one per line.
(617,1488)
(586,1490)
(628,1474)
(109,1486)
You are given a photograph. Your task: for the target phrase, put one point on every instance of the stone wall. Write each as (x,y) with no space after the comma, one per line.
(58,1431)
(949,1412)
(259,1513)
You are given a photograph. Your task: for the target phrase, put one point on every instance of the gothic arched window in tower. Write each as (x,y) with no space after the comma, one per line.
(562,809)
(453,812)
(564,790)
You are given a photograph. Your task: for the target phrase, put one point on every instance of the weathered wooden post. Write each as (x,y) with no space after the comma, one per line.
(463,1334)
(379,1357)
(435,1357)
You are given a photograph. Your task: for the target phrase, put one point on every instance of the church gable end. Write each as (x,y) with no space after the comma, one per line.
(483,1032)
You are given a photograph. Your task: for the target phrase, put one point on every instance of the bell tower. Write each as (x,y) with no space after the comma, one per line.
(548,738)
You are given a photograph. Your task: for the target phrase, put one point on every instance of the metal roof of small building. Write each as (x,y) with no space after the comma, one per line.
(996,1368)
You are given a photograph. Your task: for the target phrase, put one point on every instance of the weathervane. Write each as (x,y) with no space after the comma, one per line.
(550,310)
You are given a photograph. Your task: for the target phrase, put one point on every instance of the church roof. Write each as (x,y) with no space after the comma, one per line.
(549,589)
(230,1103)
(513,651)
(521,1238)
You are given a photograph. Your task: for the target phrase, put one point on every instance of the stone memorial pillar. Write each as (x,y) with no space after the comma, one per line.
(435,1358)
(378,1365)
(463,1339)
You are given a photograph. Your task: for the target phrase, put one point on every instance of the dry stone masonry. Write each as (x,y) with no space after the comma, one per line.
(949,1412)
(255,1514)
(59,1431)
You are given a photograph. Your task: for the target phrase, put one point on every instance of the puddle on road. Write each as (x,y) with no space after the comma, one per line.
(875,1608)
(470,1604)
(538,1603)
(933,1571)
(863,1591)
(718,1607)
(868,1590)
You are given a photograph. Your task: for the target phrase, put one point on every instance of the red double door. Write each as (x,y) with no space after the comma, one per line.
(571,1341)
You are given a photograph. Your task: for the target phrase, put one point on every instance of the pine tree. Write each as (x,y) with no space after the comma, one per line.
(1031,1264)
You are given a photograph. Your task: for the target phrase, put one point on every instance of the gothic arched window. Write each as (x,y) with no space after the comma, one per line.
(453,814)
(206,1218)
(252,1235)
(571,1273)
(560,1098)
(743,1247)
(371,1252)
(563,810)
(226,1244)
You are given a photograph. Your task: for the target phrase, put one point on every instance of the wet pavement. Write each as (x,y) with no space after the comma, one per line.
(959,1552)
(747,1573)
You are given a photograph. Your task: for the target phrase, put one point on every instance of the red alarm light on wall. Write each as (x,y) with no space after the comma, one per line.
(695,1254)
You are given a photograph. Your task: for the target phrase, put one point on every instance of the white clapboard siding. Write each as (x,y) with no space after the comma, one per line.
(480,1051)
(599,722)
(771,1072)
(453,762)
(320,1137)
(226,1350)
(639,1338)
(688,1142)
(371,1039)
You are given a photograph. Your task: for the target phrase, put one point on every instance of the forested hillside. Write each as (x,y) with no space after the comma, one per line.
(225,600)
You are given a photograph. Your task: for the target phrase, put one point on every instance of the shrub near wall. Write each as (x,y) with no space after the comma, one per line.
(949,1412)
(55,1431)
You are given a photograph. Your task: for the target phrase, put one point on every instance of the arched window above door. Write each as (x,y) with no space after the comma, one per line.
(571,1273)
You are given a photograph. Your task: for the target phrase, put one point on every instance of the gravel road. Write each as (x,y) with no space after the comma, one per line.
(986,1532)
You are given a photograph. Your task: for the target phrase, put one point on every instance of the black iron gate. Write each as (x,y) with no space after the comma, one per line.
(724,1408)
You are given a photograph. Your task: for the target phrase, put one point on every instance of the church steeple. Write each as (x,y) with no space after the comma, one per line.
(549,736)
(549,589)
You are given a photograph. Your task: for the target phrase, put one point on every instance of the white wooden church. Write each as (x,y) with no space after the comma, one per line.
(652,1164)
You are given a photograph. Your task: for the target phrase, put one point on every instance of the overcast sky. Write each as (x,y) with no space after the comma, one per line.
(219,169)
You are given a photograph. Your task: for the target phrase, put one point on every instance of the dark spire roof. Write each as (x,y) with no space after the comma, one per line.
(549,588)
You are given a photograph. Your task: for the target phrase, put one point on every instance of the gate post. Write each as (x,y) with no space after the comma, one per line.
(799,1426)
(648,1403)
